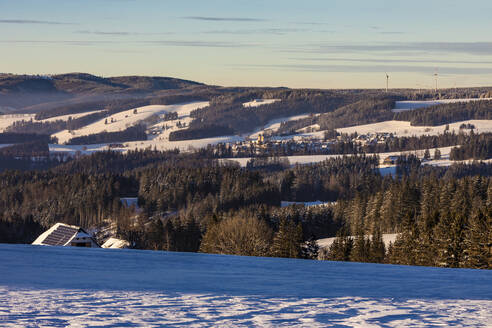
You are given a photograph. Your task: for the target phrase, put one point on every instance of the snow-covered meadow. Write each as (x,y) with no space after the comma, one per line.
(8,120)
(387,239)
(64,286)
(122,120)
(274,125)
(404,129)
(308,159)
(259,102)
(405,105)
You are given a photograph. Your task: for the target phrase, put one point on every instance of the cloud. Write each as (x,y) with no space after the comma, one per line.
(224,19)
(274,31)
(373,69)
(171,43)
(30,21)
(199,44)
(387,60)
(392,32)
(117,33)
(410,48)
(58,42)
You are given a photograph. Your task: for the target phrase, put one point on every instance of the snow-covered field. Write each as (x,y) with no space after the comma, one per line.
(308,159)
(387,239)
(156,143)
(67,117)
(274,125)
(402,106)
(58,287)
(125,119)
(8,120)
(259,102)
(286,203)
(404,129)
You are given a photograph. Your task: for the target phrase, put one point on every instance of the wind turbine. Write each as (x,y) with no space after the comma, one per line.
(387,81)
(436,76)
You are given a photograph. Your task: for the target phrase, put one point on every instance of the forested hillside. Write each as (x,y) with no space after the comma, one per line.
(190,203)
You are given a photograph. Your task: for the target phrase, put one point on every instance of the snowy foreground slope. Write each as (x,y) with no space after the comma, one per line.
(54,286)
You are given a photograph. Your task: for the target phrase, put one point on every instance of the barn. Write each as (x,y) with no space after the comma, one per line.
(62,234)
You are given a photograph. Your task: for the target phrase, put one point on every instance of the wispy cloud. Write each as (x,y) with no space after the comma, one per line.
(170,43)
(410,48)
(391,32)
(31,21)
(389,60)
(225,19)
(372,69)
(59,42)
(118,33)
(199,44)
(274,31)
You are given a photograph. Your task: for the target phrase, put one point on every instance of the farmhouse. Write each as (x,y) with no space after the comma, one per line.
(65,235)
(390,160)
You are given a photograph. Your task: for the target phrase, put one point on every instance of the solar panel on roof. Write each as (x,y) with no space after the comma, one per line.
(60,236)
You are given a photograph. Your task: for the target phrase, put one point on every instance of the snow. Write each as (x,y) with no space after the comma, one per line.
(72,150)
(402,106)
(66,117)
(129,201)
(183,145)
(274,125)
(115,243)
(285,203)
(404,129)
(387,239)
(259,102)
(8,120)
(309,159)
(125,119)
(68,286)
(42,237)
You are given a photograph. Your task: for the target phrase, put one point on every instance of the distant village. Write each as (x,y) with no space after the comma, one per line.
(264,144)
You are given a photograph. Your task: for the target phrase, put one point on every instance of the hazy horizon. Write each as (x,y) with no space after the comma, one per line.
(319,44)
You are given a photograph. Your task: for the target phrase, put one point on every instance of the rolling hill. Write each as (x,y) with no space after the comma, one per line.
(56,286)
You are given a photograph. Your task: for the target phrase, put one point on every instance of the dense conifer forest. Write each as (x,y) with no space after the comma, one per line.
(187,202)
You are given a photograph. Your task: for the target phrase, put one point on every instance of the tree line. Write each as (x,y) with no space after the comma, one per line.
(188,203)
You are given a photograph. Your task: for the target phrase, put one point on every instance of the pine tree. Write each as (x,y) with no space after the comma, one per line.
(287,242)
(310,249)
(427,154)
(341,247)
(437,154)
(477,250)
(360,250)
(449,236)
(377,250)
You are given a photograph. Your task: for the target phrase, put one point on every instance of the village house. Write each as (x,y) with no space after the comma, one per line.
(62,234)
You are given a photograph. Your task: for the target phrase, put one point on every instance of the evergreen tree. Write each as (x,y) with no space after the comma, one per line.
(310,249)
(377,250)
(427,154)
(437,154)
(360,250)
(477,243)
(287,241)
(341,247)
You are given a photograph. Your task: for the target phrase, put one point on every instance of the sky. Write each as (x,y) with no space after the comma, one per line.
(300,44)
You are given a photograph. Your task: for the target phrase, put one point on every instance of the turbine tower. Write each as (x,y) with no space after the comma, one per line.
(387,81)
(436,76)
